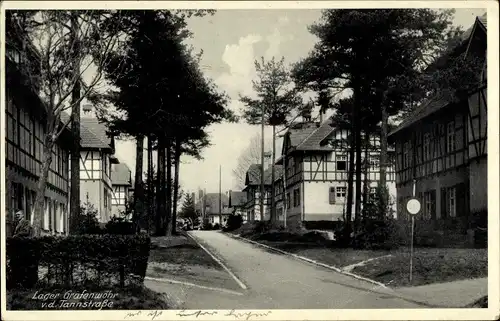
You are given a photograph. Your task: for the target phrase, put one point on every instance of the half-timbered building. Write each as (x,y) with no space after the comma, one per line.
(253,190)
(121,179)
(96,157)
(24,145)
(441,152)
(315,160)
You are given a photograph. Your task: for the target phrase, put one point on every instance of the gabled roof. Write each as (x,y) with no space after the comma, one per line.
(237,198)
(121,175)
(443,99)
(93,134)
(253,174)
(309,136)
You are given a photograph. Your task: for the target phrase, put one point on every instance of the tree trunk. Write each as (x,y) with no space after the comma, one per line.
(139,185)
(176,183)
(75,130)
(366,182)
(262,170)
(38,210)
(358,192)
(150,184)
(382,190)
(273,174)
(168,185)
(160,188)
(350,187)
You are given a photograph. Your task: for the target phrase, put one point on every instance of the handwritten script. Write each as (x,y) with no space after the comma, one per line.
(232,313)
(153,315)
(150,315)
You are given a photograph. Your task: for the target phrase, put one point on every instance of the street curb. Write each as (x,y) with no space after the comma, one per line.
(219,261)
(336,269)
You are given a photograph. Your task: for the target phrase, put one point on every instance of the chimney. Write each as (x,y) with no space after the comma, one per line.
(87,111)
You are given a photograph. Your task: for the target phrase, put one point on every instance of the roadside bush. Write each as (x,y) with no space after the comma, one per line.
(78,260)
(233,222)
(87,222)
(119,226)
(216,226)
(377,229)
(376,234)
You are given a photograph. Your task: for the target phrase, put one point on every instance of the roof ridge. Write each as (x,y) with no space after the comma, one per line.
(97,136)
(308,136)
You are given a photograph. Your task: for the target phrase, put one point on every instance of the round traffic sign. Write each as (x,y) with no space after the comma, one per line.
(413,206)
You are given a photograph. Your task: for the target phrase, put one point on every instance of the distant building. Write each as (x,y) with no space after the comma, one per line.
(96,156)
(237,201)
(253,191)
(121,179)
(24,146)
(442,147)
(210,202)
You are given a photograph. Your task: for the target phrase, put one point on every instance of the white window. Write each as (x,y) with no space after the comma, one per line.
(341,162)
(374,161)
(61,218)
(452,202)
(450,137)
(46,214)
(341,191)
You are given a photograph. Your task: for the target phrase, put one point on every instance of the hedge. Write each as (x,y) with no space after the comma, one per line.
(98,260)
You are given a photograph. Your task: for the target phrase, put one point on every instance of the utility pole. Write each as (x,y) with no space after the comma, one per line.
(220,195)
(262,190)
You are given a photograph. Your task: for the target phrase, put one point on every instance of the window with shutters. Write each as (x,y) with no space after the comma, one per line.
(288,201)
(341,192)
(331,195)
(451,203)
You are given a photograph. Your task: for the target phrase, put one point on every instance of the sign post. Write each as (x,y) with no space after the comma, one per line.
(413,207)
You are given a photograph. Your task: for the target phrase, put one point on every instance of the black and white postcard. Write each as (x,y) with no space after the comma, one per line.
(249,160)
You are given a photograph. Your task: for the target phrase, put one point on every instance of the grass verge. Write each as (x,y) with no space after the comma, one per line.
(430,265)
(179,250)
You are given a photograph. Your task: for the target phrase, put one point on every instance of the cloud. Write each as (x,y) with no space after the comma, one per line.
(240,60)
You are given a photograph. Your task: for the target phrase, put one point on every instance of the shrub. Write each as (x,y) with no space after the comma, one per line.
(234,222)
(120,226)
(87,222)
(78,260)
(216,226)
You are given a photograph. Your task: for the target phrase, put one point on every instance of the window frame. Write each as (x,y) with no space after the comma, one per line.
(451,201)
(341,159)
(341,192)
(450,137)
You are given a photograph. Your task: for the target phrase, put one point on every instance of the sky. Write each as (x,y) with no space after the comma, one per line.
(231,40)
